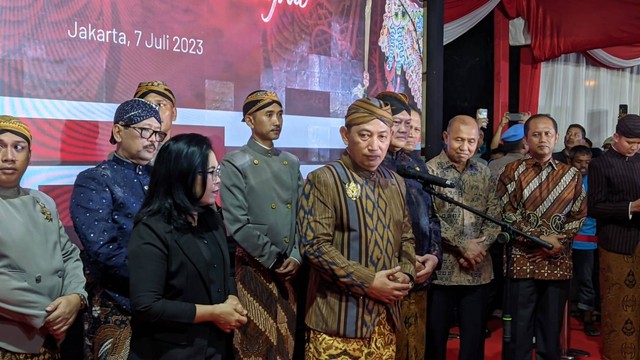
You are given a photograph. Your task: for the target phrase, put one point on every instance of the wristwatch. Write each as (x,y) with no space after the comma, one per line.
(83,301)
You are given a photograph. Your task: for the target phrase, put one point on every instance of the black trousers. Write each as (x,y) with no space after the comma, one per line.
(471,302)
(537,308)
(585,272)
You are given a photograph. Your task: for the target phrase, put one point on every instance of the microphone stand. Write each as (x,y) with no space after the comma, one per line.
(508,233)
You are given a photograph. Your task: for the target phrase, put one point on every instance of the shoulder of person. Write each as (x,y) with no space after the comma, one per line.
(238,157)
(439,160)
(483,168)
(508,170)
(605,158)
(101,168)
(566,167)
(44,198)
(156,222)
(321,172)
(511,166)
(432,165)
(289,156)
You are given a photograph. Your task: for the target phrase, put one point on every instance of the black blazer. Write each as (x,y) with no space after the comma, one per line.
(169,274)
(614,181)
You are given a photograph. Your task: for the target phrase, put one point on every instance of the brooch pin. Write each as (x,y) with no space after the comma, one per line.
(44,211)
(353,190)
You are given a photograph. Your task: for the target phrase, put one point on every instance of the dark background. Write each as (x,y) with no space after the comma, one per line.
(468,73)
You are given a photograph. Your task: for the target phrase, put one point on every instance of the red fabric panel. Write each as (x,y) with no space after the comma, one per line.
(455,9)
(511,8)
(561,27)
(529,81)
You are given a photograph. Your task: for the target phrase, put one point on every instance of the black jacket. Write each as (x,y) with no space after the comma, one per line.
(171,271)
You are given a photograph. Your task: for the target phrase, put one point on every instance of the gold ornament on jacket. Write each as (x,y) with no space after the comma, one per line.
(46,213)
(353,190)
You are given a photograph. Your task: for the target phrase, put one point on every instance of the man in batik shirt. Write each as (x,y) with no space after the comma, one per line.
(466,269)
(544,198)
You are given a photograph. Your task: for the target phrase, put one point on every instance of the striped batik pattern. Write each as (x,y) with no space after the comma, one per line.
(542,199)
(351,226)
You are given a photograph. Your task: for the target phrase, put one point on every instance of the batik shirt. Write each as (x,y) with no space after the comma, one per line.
(542,199)
(352,224)
(476,189)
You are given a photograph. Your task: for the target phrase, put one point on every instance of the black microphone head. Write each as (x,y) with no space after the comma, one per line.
(407,171)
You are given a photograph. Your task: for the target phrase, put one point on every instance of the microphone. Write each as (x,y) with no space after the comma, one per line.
(411,173)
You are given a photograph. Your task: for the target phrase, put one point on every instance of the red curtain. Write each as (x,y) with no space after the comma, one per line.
(606,31)
(455,9)
(564,26)
(529,81)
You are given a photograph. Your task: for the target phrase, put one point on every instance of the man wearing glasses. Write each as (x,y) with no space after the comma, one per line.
(104,202)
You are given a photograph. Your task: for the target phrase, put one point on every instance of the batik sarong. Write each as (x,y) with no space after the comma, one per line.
(271,306)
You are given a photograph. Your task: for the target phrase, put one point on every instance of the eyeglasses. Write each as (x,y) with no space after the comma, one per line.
(214,173)
(147,133)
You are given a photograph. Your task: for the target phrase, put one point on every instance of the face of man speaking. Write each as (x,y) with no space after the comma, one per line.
(14,159)
(367,144)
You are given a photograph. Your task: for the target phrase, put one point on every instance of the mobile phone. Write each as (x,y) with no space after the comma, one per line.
(482,118)
(623,109)
(515,117)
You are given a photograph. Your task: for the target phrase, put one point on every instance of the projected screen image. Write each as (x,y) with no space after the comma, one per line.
(67,64)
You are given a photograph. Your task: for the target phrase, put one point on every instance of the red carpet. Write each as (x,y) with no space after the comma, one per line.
(493,345)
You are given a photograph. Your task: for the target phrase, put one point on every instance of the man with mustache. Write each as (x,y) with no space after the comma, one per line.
(104,202)
(576,135)
(259,193)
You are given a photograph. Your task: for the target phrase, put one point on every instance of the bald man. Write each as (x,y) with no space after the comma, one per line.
(463,280)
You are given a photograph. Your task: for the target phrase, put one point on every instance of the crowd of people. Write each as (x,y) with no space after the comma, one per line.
(188,257)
